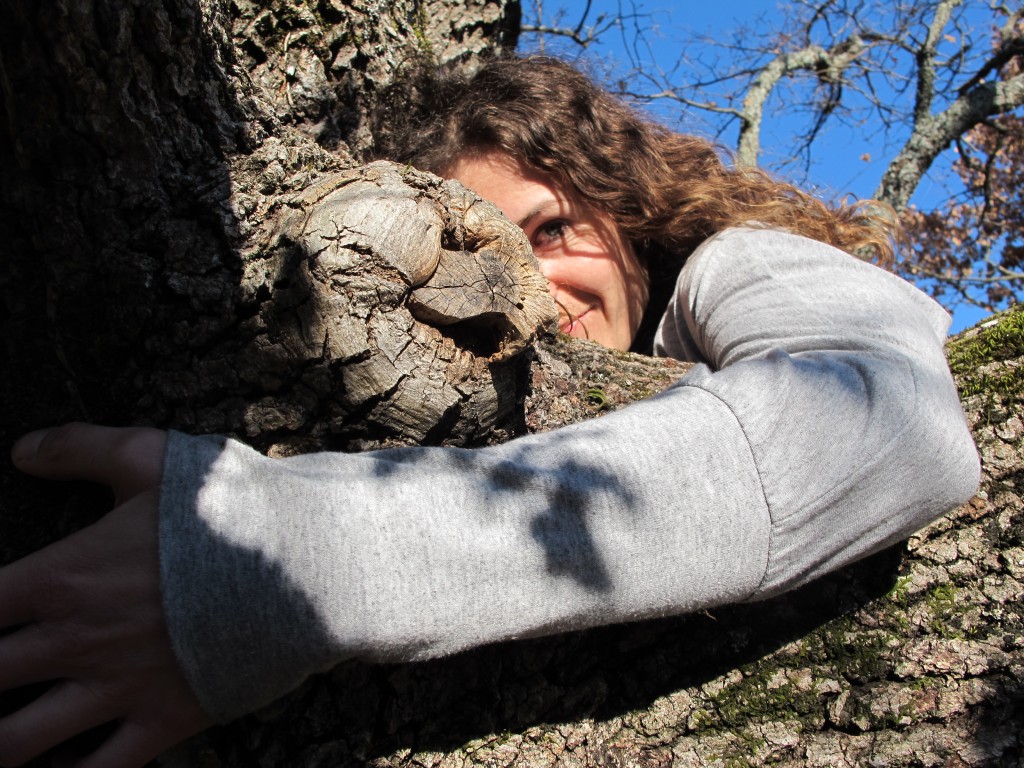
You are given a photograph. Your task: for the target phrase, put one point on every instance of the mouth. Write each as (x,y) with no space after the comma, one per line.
(574,322)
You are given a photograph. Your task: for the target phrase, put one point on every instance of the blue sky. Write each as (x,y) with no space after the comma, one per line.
(847,160)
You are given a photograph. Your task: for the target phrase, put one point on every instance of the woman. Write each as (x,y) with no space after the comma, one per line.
(664,192)
(820,424)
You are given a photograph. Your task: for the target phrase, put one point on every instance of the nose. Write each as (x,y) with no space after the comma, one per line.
(561,284)
(553,271)
(552,265)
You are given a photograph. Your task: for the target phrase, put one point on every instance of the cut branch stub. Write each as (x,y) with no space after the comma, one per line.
(487,276)
(417,297)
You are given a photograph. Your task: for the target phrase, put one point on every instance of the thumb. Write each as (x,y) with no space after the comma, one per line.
(129,460)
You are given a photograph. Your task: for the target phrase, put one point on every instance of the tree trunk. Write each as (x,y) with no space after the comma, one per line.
(149,156)
(166,171)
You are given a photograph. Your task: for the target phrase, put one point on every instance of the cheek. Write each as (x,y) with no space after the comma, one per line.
(639,285)
(626,278)
(636,282)
(582,274)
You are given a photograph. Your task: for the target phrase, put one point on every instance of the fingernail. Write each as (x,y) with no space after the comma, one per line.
(27,446)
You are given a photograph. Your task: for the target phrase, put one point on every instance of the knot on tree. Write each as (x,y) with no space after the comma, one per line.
(405,300)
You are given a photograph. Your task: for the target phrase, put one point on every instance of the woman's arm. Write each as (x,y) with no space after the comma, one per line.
(837,371)
(823,426)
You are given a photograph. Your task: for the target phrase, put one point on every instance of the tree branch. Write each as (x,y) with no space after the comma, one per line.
(925,56)
(1011,44)
(829,64)
(934,133)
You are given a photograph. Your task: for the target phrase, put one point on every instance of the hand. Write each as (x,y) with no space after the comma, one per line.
(88,613)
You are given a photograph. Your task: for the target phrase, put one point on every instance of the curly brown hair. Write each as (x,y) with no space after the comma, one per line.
(667,191)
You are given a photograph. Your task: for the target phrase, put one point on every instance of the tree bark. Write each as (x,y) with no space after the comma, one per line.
(162,170)
(149,150)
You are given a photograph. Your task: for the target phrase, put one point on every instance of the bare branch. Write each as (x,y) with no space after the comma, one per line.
(1011,44)
(925,56)
(707,106)
(934,133)
(829,65)
(583,18)
(581,40)
(582,34)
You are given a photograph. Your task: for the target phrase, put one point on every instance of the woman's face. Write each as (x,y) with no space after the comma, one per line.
(593,273)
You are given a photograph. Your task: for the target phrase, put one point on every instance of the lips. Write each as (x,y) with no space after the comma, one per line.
(572,322)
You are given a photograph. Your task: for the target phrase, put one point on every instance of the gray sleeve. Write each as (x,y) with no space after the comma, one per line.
(813,435)
(836,370)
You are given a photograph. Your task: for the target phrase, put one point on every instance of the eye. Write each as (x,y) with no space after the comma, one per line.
(550,231)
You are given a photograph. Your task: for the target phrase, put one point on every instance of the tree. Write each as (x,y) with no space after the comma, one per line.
(917,78)
(147,156)
(160,165)
(979,227)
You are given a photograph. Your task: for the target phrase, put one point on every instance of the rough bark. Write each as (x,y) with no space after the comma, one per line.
(149,152)
(400,306)
(320,64)
(159,173)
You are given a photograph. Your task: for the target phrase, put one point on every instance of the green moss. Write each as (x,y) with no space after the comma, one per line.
(418,20)
(942,604)
(864,658)
(701,719)
(894,613)
(842,649)
(754,698)
(994,341)
(742,752)
(899,592)
(942,598)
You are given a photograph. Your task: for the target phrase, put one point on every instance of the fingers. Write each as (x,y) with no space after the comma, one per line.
(147,731)
(21,585)
(70,709)
(88,612)
(132,745)
(128,460)
(64,711)
(24,657)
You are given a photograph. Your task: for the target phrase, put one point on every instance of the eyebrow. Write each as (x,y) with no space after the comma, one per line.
(539,210)
(528,217)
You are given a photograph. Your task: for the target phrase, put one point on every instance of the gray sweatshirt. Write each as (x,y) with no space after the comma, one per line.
(820,425)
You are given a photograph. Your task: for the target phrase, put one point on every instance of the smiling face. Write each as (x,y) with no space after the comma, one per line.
(593,273)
